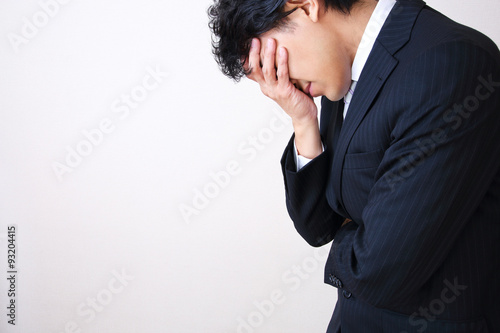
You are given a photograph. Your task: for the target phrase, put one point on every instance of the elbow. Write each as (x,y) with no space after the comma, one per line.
(317,230)
(314,239)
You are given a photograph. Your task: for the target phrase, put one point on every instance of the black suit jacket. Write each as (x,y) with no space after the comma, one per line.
(416,166)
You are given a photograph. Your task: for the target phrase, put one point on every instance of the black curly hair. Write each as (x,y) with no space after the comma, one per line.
(235,22)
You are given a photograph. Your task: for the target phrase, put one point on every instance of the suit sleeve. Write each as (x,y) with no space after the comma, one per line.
(444,154)
(305,190)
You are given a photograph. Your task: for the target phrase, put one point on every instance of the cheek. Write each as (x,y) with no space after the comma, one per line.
(294,63)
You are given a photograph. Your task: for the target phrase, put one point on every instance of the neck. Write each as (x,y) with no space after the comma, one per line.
(351,27)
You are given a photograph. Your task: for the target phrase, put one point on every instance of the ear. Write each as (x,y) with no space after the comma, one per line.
(310,8)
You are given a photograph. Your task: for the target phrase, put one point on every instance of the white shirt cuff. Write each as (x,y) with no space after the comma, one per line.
(301,161)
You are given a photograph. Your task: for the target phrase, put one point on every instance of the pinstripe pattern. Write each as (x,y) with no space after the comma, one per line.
(416,166)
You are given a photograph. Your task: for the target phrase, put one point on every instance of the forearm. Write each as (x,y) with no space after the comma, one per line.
(306,201)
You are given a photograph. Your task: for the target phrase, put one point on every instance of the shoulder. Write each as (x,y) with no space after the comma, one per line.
(443,67)
(434,30)
(443,55)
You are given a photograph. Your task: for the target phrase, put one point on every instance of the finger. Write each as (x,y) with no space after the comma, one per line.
(245,63)
(254,61)
(269,63)
(283,75)
(245,59)
(345,222)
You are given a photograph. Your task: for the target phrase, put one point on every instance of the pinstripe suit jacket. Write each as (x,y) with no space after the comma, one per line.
(416,166)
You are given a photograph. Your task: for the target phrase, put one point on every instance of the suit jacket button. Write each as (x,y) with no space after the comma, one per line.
(346,294)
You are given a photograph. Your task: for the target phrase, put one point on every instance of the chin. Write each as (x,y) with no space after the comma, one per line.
(334,96)
(337,93)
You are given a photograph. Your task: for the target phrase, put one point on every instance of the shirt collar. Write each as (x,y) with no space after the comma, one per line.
(377,20)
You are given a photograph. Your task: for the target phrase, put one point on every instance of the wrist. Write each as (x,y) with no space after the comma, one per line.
(310,120)
(307,139)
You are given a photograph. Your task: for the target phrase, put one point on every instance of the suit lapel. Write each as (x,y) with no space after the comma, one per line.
(394,34)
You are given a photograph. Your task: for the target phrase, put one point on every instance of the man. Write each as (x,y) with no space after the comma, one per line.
(403,170)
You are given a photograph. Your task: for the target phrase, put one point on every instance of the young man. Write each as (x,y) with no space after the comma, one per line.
(402,171)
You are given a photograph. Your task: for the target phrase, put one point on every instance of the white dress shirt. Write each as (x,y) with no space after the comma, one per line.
(377,20)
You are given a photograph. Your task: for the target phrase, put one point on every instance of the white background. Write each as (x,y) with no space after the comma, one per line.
(118,210)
